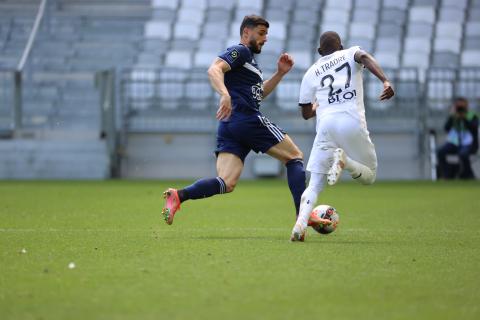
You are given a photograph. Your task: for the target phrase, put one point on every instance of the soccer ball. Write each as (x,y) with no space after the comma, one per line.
(324,211)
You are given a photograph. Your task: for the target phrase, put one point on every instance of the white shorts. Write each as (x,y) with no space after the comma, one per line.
(341,130)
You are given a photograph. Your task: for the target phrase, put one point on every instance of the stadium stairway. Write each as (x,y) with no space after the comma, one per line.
(61,134)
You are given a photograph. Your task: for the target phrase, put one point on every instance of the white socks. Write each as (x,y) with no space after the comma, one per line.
(309,197)
(360,172)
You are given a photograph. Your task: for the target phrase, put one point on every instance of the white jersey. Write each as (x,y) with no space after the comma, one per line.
(335,82)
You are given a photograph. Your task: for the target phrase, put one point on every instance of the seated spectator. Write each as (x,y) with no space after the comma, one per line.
(462,140)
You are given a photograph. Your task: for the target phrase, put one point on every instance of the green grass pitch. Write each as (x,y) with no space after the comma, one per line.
(406,250)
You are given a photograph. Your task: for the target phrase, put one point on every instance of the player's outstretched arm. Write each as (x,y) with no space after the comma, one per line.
(216,74)
(284,64)
(372,65)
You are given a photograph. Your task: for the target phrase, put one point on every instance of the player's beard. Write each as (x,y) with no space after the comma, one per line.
(256,48)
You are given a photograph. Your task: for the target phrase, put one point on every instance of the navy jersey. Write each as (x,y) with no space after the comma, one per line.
(244,81)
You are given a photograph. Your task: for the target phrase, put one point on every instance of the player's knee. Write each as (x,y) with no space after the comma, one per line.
(230,186)
(296,155)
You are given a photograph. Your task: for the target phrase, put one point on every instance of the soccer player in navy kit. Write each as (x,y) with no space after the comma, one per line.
(236,76)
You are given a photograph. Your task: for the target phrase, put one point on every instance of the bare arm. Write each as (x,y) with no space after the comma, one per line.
(284,64)
(372,65)
(216,74)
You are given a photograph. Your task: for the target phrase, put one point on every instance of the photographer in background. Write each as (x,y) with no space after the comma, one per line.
(462,140)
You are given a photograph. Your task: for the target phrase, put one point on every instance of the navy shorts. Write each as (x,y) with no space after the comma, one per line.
(255,133)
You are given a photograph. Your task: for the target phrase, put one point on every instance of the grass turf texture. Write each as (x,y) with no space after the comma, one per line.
(402,251)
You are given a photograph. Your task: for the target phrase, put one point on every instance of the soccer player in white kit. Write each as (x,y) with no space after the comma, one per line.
(332,90)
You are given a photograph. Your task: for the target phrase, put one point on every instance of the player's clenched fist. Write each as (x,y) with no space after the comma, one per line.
(285,63)
(387,92)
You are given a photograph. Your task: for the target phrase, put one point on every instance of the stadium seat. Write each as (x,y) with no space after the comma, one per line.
(191,15)
(277,30)
(445,59)
(388,59)
(304,31)
(461,4)
(365,15)
(469,58)
(179,59)
(472,28)
(187,30)
(468,84)
(335,15)
(389,44)
(195,4)
(372,5)
(211,44)
(204,58)
(420,29)
(388,30)
(183,44)
(415,59)
(215,29)
(447,44)
(313,5)
(471,43)
(345,5)
(233,40)
(158,29)
(451,14)
(474,14)
(287,95)
(303,59)
(218,15)
(295,44)
(149,59)
(362,30)
(225,4)
(365,44)
(422,14)
(170,4)
(274,45)
(449,30)
(285,5)
(393,16)
(277,14)
(304,17)
(421,3)
(256,5)
(399,4)
(340,28)
(164,14)
(420,45)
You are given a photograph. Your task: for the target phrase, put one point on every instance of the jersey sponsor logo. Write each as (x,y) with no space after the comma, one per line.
(257,91)
(339,93)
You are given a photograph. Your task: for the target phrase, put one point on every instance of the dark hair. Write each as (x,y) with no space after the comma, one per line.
(252,21)
(460,99)
(463,106)
(329,42)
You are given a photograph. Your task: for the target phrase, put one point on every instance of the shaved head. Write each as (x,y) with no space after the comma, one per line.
(329,43)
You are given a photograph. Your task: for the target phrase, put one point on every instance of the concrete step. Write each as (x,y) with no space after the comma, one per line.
(54,159)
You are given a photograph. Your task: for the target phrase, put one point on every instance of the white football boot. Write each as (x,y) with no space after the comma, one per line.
(337,166)
(298,233)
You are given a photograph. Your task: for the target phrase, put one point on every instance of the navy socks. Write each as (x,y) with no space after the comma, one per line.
(203,188)
(296,180)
